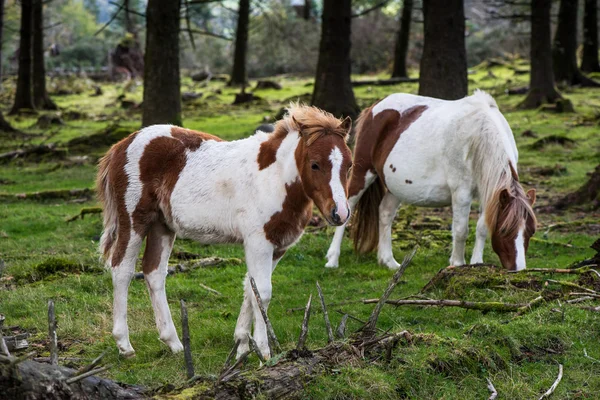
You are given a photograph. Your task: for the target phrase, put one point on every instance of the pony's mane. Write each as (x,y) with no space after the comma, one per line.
(493,169)
(312,122)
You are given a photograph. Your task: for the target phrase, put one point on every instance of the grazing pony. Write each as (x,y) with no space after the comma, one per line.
(165,181)
(433,153)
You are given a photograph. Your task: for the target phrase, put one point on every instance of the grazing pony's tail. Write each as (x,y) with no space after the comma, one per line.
(106,196)
(365,219)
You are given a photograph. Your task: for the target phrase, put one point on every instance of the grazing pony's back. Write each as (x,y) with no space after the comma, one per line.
(430,152)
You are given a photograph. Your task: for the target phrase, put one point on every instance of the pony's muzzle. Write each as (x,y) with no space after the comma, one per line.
(336,218)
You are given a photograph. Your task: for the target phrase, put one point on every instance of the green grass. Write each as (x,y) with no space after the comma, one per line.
(455,350)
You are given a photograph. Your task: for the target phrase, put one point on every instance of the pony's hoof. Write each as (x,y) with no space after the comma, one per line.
(127,354)
(331,264)
(176,348)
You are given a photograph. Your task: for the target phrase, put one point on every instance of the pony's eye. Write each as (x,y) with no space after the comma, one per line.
(315,166)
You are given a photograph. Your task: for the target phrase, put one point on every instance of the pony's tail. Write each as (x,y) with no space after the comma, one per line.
(106,196)
(365,225)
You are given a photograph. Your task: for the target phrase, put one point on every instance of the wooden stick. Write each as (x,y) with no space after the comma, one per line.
(341,303)
(325,315)
(555,384)
(579,300)
(91,366)
(304,329)
(369,328)
(209,289)
(572,285)
(52,333)
(273,342)
(17,360)
(527,307)
(341,330)
(577,271)
(85,375)
(591,295)
(472,305)
(255,348)
(231,354)
(185,333)
(492,389)
(3,347)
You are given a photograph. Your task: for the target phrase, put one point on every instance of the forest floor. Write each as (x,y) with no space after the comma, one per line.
(46,257)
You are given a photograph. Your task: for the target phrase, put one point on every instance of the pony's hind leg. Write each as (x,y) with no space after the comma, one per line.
(480,236)
(122,273)
(159,244)
(387,211)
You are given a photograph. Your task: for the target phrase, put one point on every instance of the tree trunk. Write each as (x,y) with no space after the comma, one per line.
(23,98)
(1,31)
(129,25)
(238,75)
(333,88)
(589,61)
(402,39)
(564,51)
(307,9)
(588,193)
(541,80)
(4,125)
(444,62)
(162,92)
(40,95)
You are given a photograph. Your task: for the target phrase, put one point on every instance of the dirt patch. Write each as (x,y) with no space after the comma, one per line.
(552,139)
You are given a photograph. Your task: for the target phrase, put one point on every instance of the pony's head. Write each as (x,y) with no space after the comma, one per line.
(511,222)
(323,159)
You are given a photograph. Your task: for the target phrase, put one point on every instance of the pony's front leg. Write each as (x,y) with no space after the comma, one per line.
(461,206)
(333,254)
(259,259)
(159,243)
(244,321)
(387,212)
(122,273)
(480,236)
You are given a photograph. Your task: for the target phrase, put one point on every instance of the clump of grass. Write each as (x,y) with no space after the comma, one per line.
(53,268)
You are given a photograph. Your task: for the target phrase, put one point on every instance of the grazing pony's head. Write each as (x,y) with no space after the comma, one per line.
(323,159)
(511,221)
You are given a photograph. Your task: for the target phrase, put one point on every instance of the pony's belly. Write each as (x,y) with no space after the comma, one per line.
(426,191)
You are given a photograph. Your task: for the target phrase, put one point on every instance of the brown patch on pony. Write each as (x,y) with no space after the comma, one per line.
(111,186)
(267,154)
(154,247)
(192,139)
(278,253)
(408,181)
(392,125)
(286,225)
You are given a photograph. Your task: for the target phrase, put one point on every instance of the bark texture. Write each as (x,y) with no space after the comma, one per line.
(589,60)
(41,99)
(1,35)
(238,74)
(443,72)
(402,41)
(333,88)
(162,92)
(541,81)
(23,97)
(564,50)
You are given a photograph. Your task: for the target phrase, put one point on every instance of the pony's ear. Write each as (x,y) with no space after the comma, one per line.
(504,197)
(300,125)
(346,125)
(531,196)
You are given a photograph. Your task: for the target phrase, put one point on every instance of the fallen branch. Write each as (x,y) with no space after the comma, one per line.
(572,285)
(52,334)
(577,271)
(254,348)
(555,384)
(325,315)
(529,306)
(579,299)
(471,305)
(201,263)
(3,347)
(304,328)
(369,328)
(590,295)
(492,389)
(185,333)
(341,330)
(85,375)
(209,289)
(273,342)
(85,211)
(90,366)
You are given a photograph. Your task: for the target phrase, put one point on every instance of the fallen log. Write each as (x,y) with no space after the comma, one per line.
(201,263)
(384,82)
(471,305)
(43,150)
(63,194)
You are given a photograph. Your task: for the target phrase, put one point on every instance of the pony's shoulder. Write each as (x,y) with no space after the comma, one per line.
(481,97)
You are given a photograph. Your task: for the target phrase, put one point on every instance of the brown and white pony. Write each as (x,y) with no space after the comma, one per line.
(432,153)
(165,181)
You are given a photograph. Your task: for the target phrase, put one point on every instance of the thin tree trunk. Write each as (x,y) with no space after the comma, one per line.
(307,9)
(402,39)
(129,25)
(589,61)
(238,74)
(23,97)
(564,51)
(40,95)
(443,72)
(162,92)
(1,35)
(4,125)
(589,193)
(541,80)
(333,88)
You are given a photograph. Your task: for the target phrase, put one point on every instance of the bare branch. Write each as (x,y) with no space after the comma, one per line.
(273,342)
(85,375)
(368,10)
(492,389)
(52,334)
(206,33)
(112,18)
(304,329)
(325,315)
(555,384)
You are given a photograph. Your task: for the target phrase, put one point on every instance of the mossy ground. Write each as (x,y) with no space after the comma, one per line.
(457,348)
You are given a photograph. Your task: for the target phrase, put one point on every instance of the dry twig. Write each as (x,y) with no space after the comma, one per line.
(325,315)
(304,329)
(52,333)
(274,346)
(85,375)
(492,389)
(555,384)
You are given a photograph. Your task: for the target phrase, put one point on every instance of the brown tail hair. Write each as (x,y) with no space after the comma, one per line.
(105,194)
(365,218)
